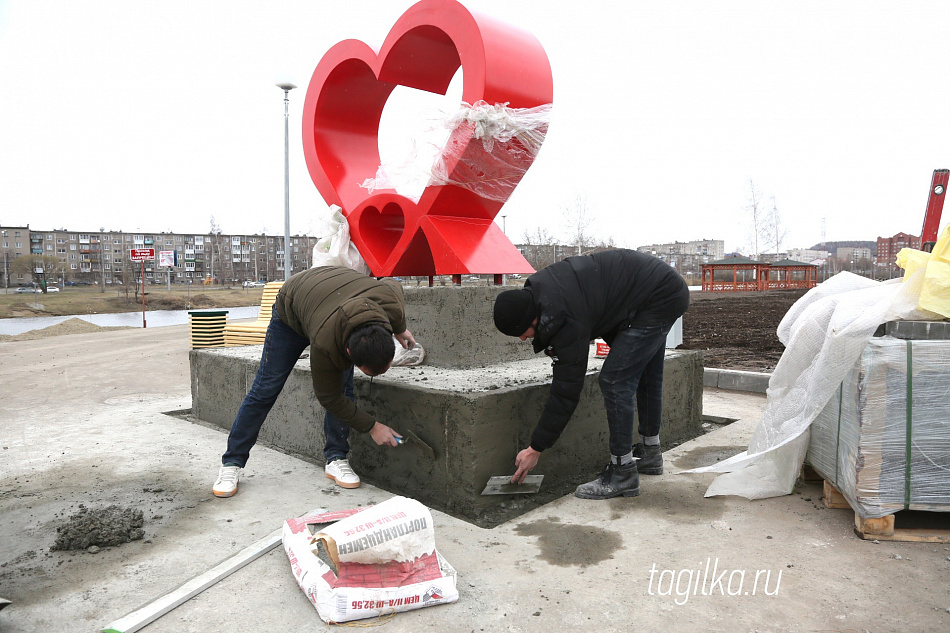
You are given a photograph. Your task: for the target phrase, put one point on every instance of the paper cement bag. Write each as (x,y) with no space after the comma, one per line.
(372,562)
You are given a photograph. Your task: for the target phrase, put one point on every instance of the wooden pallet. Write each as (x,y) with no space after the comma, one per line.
(885,528)
(207,328)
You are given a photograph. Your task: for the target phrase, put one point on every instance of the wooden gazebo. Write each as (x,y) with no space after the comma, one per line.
(735,274)
(788,274)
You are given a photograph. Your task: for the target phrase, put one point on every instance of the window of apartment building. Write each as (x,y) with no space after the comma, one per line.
(108,267)
(72,266)
(19,244)
(61,251)
(117,260)
(84,236)
(6,245)
(72,247)
(73,256)
(49,247)
(60,240)
(6,234)
(49,236)
(178,238)
(16,234)
(72,237)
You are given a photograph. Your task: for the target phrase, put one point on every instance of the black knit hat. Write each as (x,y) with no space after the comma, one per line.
(514,312)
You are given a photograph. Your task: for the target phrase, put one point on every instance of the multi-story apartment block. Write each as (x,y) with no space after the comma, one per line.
(807,255)
(711,249)
(889,247)
(103,256)
(853,253)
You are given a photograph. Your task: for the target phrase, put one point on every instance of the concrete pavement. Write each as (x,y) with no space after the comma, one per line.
(84,419)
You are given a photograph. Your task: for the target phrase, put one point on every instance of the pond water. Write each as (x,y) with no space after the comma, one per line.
(153,318)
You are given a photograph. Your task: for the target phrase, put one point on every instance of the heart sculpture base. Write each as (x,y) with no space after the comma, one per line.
(451,229)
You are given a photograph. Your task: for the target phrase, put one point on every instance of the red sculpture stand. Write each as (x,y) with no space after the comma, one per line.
(450,230)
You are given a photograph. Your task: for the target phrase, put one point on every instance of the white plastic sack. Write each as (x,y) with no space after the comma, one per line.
(408,357)
(336,249)
(385,561)
(824,334)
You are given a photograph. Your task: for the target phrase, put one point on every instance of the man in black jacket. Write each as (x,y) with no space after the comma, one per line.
(629,299)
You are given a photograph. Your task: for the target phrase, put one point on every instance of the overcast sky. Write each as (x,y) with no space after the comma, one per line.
(155,116)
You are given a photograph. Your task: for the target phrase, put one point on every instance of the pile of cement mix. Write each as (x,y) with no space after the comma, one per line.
(102,528)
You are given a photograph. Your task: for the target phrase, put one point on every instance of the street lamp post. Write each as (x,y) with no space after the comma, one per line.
(286,87)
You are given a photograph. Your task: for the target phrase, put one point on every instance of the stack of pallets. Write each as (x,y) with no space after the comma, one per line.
(207,328)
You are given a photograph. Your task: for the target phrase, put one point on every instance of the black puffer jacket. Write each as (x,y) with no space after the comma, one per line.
(591,296)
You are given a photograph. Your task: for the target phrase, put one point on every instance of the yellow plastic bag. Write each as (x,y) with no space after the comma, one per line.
(935,292)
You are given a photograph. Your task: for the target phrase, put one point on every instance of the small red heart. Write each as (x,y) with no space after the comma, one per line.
(342,110)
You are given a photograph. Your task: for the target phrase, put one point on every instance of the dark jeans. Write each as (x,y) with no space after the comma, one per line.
(633,372)
(282,349)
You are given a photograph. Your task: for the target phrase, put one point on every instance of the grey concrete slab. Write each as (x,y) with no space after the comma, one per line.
(99,435)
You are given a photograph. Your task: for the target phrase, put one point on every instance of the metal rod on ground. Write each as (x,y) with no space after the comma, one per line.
(154,610)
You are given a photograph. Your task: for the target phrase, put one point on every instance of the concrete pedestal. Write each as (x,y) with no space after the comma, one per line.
(475,401)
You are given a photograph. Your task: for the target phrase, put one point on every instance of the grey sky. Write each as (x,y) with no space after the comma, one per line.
(156,116)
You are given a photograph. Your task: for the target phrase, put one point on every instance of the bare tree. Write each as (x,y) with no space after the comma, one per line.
(757,215)
(214,231)
(775,231)
(579,217)
(539,247)
(47,267)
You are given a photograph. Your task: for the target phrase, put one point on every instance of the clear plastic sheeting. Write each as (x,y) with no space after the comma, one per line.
(883,439)
(825,333)
(335,247)
(488,151)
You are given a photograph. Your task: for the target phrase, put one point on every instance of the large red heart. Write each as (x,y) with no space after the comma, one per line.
(450,230)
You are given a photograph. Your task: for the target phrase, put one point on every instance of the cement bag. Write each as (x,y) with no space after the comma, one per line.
(378,561)
(336,249)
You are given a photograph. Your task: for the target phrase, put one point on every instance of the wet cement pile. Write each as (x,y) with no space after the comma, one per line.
(99,528)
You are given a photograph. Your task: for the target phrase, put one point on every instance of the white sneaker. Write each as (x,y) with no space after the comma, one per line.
(227,483)
(339,471)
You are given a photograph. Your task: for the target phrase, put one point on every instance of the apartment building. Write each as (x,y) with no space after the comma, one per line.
(103,256)
(889,247)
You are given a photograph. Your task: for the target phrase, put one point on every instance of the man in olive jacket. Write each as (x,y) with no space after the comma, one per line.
(347,319)
(629,299)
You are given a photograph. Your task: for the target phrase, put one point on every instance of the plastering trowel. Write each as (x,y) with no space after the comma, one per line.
(408,437)
(503,486)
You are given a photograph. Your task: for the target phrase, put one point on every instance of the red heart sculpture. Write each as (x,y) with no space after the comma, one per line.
(450,230)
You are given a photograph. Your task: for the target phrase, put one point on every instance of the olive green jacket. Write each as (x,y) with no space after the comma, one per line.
(325,305)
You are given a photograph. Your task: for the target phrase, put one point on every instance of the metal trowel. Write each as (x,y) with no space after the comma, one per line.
(408,437)
(503,486)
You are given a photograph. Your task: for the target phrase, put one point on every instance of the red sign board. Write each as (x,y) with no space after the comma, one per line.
(141,254)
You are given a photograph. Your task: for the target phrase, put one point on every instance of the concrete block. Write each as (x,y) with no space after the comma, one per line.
(918,330)
(744,381)
(455,326)
(475,419)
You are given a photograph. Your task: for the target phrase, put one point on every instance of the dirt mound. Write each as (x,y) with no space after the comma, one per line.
(69,326)
(100,528)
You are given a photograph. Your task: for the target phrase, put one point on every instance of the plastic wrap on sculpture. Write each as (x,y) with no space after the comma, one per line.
(825,332)
(510,139)
(335,247)
(883,439)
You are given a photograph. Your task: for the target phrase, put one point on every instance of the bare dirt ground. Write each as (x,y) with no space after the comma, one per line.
(736,330)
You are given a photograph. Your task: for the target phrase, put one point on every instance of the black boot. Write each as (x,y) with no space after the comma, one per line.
(650,459)
(614,481)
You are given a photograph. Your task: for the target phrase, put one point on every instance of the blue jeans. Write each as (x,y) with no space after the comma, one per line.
(633,373)
(282,349)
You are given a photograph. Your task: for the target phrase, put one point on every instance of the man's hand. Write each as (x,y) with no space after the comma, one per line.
(525,462)
(405,339)
(383,435)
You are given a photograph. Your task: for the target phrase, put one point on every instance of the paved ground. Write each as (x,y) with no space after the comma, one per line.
(82,420)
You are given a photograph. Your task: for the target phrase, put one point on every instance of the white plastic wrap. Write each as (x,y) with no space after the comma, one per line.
(335,248)
(509,141)
(882,454)
(825,332)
